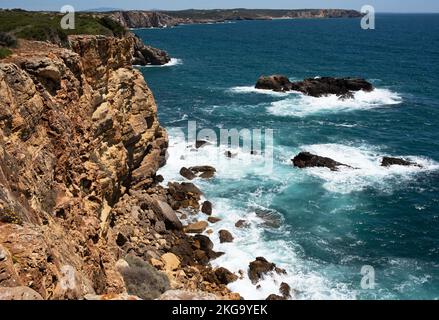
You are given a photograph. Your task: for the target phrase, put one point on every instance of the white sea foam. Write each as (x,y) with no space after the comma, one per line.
(173,62)
(252,89)
(301,105)
(249,242)
(366,168)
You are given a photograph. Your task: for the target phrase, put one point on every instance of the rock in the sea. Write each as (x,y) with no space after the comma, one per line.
(19,293)
(225,236)
(201,143)
(213,219)
(389,161)
(275,83)
(146,55)
(285,290)
(308,160)
(205,172)
(207,208)
(188,174)
(315,87)
(225,276)
(260,267)
(242,224)
(197,227)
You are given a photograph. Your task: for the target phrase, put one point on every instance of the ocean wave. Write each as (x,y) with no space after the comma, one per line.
(366,168)
(252,89)
(249,242)
(301,105)
(173,62)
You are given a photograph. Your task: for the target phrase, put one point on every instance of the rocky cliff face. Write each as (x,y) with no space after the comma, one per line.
(150,19)
(81,211)
(143,19)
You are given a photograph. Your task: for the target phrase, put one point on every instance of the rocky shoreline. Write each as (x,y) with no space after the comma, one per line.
(83,214)
(162,19)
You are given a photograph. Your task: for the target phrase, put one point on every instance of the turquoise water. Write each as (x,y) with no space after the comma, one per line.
(328,224)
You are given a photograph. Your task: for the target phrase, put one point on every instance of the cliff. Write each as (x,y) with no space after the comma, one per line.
(81,213)
(149,19)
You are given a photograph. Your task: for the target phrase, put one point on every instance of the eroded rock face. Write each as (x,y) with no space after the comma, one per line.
(260,267)
(309,160)
(146,55)
(315,87)
(78,130)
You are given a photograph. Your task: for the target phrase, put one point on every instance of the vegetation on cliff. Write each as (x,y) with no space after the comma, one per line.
(44,26)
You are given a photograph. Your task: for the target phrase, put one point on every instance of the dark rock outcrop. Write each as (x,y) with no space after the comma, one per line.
(146,55)
(308,160)
(206,208)
(260,267)
(224,276)
(188,174)
(389,161)
(315,87)
(225,236)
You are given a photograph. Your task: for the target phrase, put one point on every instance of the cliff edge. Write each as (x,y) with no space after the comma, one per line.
(81,211)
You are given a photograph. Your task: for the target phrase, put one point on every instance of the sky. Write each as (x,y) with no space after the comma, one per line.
(380,5)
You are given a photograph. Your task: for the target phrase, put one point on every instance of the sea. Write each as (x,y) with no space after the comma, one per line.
(365,232)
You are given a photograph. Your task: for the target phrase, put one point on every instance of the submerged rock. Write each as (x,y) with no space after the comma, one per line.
(213,219)
(315,87)
(309,160)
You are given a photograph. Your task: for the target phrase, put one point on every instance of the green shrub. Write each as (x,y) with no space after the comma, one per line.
(7,40)
(143,280)
(117,29)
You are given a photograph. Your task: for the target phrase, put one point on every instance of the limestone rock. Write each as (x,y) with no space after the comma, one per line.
(197,227)
(171,261)
(19,293)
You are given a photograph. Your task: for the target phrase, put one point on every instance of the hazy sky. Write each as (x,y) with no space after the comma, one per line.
(380,5)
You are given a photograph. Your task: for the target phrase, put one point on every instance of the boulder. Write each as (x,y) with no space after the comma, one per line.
(258,268)
(170,261)
(188,174)
(275,83)
(204,242)
(207,208)
(201,143)
(184,194)
(315,87)
(19,293)
(213,219)
(197,227)
(224,276)
(389,161)
(205,172)
(285,290)
(167,214)
(225,236)
(309,160)
(242,224)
